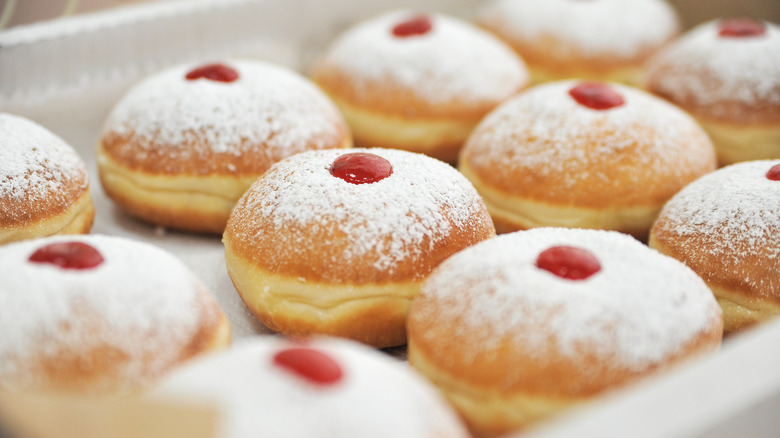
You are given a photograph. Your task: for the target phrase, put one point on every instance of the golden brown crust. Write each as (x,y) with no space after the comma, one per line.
(514,387)
(516,212)
(300,307)
(383,96)
(554,52)
(77,218)
(636,176)
(35,207)
(736,274)
(487,412)
(141,154)
(516,368)
(301,257)
(720,79)
(554,59)
(761,111)
(747,287)
(101,368)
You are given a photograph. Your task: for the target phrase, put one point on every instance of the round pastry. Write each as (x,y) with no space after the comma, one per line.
(100,315)
(336,243)
(584,155)
(182,146)
(606,40)
(518,328)
(727,74)
(418,82)
(44,188)
(323,387)
(726,227)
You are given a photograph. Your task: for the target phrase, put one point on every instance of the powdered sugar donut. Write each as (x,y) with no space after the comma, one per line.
(726,227)
(99,314)
(44,188)
(345,390)
(727,74)
(182,146)
(329,242)
(418,82)
(520,327)
(606,40)
(584,155)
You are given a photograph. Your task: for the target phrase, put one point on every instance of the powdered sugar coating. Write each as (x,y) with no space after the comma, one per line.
(589,28)
(35,165)
(397,218)
(640,309)
(544,131)
(735,210)
(141,301)
(706,69)
(267,105)
(377,396)
(453,62)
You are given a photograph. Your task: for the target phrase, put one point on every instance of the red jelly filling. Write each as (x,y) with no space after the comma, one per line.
(774,173)
(568,262)
(417,25)
(311,365)
(214,72)
(596,95)
(68,255)
(741,27)
(361,168)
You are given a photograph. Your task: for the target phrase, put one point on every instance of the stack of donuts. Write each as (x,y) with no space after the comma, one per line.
(545,204)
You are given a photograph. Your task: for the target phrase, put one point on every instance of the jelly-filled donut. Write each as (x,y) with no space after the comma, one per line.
(606,40)
(726,73)
(321,387)
(520,327)
(338,243)
(417,81)
(584,154)
(99,315)
(182,146)
(726,227)
(44,187)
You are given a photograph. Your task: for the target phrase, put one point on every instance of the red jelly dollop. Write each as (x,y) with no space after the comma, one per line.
(68,255)
(596,95)
(741,27)
(568,262)
(214,72)
(361,168)
(774,173)
(312,365)
(417,25)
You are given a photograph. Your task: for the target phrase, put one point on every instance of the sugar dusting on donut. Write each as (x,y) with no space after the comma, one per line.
(640,308)
(140,300)
(451,62)
(706,68)
(545,131)
(35,164)
(735,209)
(391,217)
(589,27)
(196,118)
(376,396)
